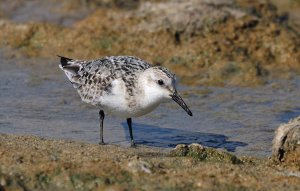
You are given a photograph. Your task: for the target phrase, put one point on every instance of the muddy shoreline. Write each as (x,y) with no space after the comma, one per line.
(37,100)
(32,163)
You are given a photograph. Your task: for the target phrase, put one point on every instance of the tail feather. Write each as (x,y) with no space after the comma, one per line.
(71,69)
(69,65)
(64,60)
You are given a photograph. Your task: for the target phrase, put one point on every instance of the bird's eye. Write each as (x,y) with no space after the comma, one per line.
(160,82)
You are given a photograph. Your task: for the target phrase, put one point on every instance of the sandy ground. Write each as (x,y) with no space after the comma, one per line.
(32,163)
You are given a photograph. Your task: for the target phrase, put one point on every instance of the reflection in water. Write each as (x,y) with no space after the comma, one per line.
(165,137)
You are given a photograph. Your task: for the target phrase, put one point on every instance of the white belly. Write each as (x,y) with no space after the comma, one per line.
(126,112)
(117,102)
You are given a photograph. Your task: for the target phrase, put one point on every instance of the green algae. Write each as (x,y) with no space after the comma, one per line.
(206,154)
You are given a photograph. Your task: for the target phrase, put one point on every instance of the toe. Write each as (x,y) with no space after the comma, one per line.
(133,145)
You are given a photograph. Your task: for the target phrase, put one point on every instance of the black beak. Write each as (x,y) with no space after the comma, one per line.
(176,97)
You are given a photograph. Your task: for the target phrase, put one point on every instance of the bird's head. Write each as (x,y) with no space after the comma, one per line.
(160,85)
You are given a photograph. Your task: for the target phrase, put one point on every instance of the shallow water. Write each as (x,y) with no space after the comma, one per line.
(37,99)
(55,12)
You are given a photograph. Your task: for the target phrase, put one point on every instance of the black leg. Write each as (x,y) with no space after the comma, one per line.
(129,122)
(101,116)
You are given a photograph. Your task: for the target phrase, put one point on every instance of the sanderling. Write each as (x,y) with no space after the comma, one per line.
(125,86)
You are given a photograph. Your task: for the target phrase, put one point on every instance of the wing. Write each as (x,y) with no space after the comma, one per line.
(95,77)
(105,70)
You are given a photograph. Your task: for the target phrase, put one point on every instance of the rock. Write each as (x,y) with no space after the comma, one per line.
(188,17)
(202,153)
(137,166)
(180,150)
(196,148)
(286,142)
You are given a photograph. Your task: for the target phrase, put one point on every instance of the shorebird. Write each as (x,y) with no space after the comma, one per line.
(124,86)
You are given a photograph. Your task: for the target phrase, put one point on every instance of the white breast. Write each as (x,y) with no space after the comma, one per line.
(115,101)
(118,102)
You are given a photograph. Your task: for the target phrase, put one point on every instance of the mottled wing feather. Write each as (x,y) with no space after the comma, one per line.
(96,76)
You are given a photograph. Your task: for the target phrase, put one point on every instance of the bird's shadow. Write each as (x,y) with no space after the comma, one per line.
(166,137)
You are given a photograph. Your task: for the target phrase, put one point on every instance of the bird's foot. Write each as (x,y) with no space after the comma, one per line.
(133,145)
(102,143)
